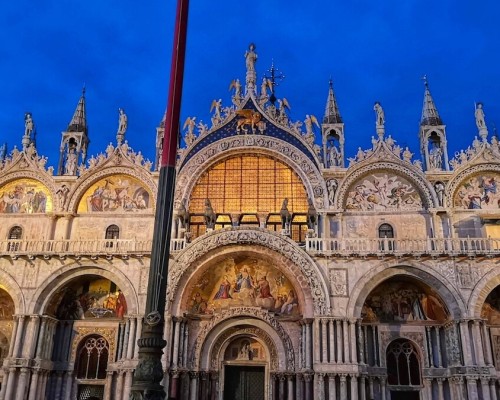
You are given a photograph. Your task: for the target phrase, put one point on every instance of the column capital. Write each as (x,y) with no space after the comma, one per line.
(214,375)
(343,377)
(193,374)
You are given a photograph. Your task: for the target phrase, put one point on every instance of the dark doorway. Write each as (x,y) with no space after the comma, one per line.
(243,383)
(405,395)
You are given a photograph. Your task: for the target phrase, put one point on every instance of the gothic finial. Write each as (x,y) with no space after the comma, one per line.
(332,113)
(430,114)
(79,121)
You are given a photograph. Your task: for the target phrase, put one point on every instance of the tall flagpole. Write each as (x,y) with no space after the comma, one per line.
(148,375)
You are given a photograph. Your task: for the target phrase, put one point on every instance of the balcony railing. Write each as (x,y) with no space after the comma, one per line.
(431,246)
(82,247)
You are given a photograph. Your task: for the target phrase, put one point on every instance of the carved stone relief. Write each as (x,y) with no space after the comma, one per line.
(338,282)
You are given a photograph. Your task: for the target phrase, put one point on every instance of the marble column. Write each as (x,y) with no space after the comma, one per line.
(362,385)
(175,354)
(173,383)
(299,387)
(138,331)
(316,344)
(109,384)
(13,336)
(345,333)
(127,384)
(131,339)
(353,339)
(281,387)
(371,391)
(119,386)
(204,385)
(9,390)
(487,345)
(320,386)
(478,344)
(331,340)
(22,383)
(41,336)
(332,391)
(440,382)
(493,389)
(193,387)
(465,339)
(324,340)
(272,386)
(34,385)
(338,342)
(383,387)
(427,389)
(354,386)
(4,383)
(343,386)
(430,345)
(472,387)
(438,346)
(290,392)
(308,346)
(68,386)
(485,388)
(19,336)
(307,386)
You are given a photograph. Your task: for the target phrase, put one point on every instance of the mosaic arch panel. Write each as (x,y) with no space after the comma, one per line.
(403,300)
(7,308)
(25,196)
(242,281)
(479,192)
(383,191)
(88,297)
(491,307)
(116,193)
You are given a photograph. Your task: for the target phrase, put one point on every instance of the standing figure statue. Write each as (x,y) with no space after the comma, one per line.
(210,215)
(122,121)
(250,58)
(380,116)
(439,187)
(331,186)
(285,215)
(335,156)
(479,114)
(71,161)
(435,157)
(28,124)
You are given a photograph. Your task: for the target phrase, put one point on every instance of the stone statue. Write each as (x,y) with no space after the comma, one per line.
(380,116)
(439,187)
(71,161)
(285,215)
(250,58)
(3,151)
(479,114)
(407,154)
(331,186)
(210,215)
(236,85)
(435,157)
(28,124)
(335,156)
(190,124)
(312,215)
(122,121)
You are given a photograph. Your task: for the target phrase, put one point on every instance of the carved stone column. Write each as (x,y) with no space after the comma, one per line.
(465,339)
(383,387)
(332,390)
(290,393)
(174,379)
(299,387)
(9,391)
(472,387)
(354,386)
(131,339)
(493,389)
(127,384)
(19,335)
(193,389)
(316,343)
(324,340)
(22,383)
(362,385)
(339,346)
(353,339)
(281,389)
(175,353)
(119,385)
(440,382)
(331,329)
(427,389)
(371,392)
(343,386)
(34,385)
(478,343)
(308,383)
(308,345)
(320,385)
(204,384)
(345,333)
(485,388)
(487,345)
(214,385)
(109,384)
(272,385)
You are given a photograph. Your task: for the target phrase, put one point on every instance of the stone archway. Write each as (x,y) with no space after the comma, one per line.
(297,263)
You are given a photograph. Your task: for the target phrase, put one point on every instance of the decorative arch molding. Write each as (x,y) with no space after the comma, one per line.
(67,273)
(14,290)
(37,175)
(269,146)
(375,276)
(481,291)
(219,347)
(301,264)
(458,178)
(212,330)
(424,188)
(139,173)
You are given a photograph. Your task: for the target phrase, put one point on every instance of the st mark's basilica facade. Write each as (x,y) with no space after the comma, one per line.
(296,272)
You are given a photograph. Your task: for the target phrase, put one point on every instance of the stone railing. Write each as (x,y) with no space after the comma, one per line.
(431,246)
(82,247)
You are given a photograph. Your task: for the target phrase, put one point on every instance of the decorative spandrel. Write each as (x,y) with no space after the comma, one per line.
(242,281)
(479,192)
(91,297)
(25,196)
(116,193)
(381,192)
(403,301)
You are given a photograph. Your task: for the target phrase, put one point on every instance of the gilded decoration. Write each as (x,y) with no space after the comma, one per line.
(107,333)
(479,192)
(7,308)
(116,193)
(382,192)
(491,307)
(25,196)
(93,297)
(403,301)
(243,281)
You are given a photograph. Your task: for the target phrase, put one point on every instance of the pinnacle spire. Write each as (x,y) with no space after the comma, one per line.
(430,114)
(332,114)
(79,121)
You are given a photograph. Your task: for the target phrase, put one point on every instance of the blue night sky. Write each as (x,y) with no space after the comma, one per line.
(373,51)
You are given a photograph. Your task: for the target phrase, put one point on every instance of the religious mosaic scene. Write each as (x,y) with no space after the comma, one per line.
(296,270)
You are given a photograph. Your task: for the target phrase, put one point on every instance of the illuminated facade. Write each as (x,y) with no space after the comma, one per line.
(295,273)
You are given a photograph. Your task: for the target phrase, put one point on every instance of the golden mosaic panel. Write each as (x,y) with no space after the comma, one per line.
(25,196)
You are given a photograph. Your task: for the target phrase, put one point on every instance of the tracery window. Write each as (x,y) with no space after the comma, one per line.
(403,367)
(112,232)
(385,232)
(93,358)
(246,186)
(15,233)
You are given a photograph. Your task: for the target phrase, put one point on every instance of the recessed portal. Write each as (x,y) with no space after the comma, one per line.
(244,382)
